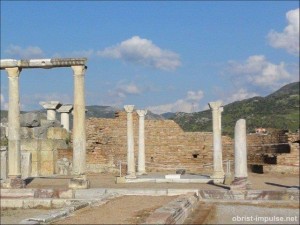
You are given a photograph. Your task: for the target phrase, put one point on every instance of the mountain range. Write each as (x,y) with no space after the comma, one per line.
(278,110)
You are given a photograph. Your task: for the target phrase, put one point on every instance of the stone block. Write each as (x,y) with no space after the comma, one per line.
(31,119)
(58,203)
(3,161)
(50,123)
(26,164)
(172,176)
(57,133)
(34,169)
(93,193)
(79,183)
(26,132)
(3,133)
(42,203)
(11,203)
(64,166)
(44,193)
(46,156)
(66,194)
(29,144)
(40,132)
(120,180)
(47,168)
(16,193)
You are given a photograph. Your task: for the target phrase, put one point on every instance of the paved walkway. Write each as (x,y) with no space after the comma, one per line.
(258,181)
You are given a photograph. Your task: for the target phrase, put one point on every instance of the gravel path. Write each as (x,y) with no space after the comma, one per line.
(122,210)
(258,181)
(245,214)
(14,216)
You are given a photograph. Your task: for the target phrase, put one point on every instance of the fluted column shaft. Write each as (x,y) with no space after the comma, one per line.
(130,142)
(141,156)
(217,140)
(79,131)
(14,149)
(240,149)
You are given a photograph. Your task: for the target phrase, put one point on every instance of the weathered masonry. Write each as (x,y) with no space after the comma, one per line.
(13,69)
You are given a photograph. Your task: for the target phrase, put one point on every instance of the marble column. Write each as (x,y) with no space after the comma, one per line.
(240,155)
(51,107)
(65,111)
(130,143)
(14,147)
(79,132)
(141,156)
(218,173)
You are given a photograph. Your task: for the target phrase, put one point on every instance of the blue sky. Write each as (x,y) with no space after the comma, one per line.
(163,56)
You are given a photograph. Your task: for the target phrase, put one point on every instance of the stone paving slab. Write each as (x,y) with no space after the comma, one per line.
(175,212)
(186,178)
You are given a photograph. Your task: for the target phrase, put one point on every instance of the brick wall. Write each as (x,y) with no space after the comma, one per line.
(169,148)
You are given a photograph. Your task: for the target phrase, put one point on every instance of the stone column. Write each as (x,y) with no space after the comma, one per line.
(14,147)
(65,115)
(130,143)
(79,132)
(218,173)
(240,155)
(141,156)
(220,119)
(51,107)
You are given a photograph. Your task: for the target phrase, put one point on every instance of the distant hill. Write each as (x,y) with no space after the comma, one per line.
(278,110)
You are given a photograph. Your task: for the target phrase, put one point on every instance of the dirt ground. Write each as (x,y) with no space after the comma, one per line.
(122,210)
(258,181)
(14,216)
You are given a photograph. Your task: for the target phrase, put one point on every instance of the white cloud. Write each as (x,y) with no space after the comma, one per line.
(240,94)
(25,53)
(118,94)
(259,72)
(289,38)
(188,104)
(31,101)
(142,51)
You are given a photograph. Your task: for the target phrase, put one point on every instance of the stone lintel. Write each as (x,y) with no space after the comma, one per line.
(50,105)
(67,108)
(42,63)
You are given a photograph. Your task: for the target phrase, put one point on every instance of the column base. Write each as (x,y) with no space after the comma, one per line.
(141,173)
(80,182)
(228,179)
(130,176)
(240,183)
(218,177)
(14,182)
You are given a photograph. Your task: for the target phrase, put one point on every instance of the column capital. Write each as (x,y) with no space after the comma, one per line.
(67,108)
(129,108)
(50,105)
(141,112)
(79,70)
(13,71)
(215,105)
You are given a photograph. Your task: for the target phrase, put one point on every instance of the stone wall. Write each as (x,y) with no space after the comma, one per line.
(167,146)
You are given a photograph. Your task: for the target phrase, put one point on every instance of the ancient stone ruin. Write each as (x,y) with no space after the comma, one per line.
(13,69)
